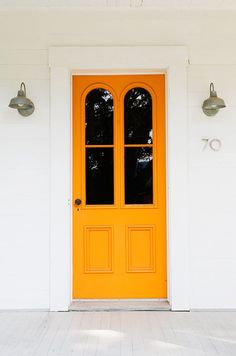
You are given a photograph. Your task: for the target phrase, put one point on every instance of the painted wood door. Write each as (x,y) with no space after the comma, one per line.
(119,186)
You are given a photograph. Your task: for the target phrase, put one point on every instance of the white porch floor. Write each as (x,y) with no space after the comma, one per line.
(117,333)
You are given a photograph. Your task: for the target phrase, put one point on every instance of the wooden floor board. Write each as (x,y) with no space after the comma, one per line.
(135,333)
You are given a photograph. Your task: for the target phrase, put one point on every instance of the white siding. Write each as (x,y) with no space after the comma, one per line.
(25,37)
(24,188)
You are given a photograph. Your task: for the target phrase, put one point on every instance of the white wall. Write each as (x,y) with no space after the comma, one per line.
(25,37)
(24,184)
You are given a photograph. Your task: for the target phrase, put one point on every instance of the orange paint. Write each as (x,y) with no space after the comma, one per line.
(119,251)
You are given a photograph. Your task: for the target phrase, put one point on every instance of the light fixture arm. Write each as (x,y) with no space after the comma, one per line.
(24,88)
(212,91)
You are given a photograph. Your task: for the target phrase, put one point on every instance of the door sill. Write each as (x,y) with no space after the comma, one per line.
(120,305)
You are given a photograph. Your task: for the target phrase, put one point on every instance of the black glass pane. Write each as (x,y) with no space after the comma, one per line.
(99,117)
(138,116)
(99,176)
(138,175)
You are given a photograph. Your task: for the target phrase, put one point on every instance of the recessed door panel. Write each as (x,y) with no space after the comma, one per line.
(98,238)
(119,226)
(140,249)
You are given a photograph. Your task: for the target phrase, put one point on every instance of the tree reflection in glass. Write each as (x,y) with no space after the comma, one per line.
(138,116)
(138,175)
(99,117)
(99,176)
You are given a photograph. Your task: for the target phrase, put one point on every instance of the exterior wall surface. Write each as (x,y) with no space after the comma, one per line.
(25,37)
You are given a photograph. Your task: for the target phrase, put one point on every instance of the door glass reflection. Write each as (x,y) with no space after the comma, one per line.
(138,175)
(138,116)
(99,176)
(99,117)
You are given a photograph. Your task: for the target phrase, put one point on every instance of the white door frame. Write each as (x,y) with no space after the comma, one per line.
(65,61)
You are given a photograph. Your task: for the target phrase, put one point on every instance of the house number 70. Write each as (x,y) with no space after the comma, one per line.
(213,143)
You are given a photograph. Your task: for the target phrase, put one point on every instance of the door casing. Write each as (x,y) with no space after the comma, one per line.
(65,61)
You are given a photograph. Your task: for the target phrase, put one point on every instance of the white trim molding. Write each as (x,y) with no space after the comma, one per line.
(65,61)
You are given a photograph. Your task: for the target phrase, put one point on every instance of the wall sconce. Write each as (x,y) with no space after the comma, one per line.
(24,105)
(213,104)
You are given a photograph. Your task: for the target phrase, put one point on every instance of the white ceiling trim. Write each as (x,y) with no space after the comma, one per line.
(94,4)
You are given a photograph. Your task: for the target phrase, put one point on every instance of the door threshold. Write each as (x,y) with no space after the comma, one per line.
(119,305)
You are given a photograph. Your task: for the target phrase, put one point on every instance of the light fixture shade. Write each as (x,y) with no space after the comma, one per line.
(20,102)
(212,105)
(24,105)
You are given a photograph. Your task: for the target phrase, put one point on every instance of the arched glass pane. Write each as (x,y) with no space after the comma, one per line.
(138,116)
(99,117)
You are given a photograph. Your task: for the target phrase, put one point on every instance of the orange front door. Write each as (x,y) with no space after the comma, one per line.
(119,210)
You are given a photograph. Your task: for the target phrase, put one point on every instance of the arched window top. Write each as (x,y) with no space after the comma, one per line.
(138,116)
(99,110)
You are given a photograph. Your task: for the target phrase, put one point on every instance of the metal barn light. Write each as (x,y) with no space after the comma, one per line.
(213,104)
(24,105)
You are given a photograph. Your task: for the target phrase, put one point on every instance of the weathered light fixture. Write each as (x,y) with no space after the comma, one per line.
(24,105)
(213,104)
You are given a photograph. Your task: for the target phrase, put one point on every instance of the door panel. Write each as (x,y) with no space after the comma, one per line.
(97,238)
(119,229)
(140,248)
